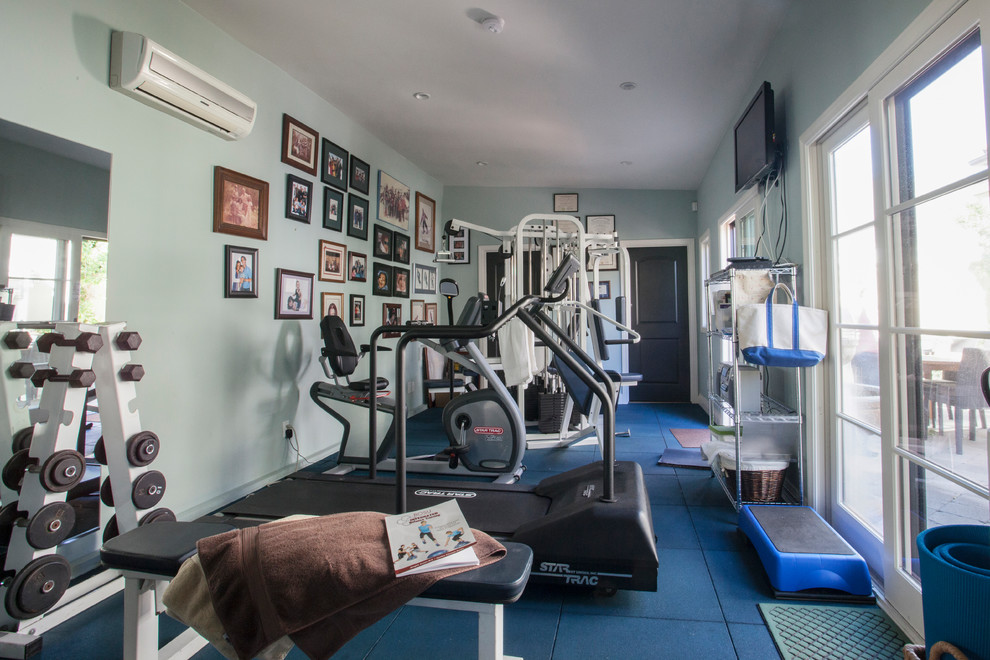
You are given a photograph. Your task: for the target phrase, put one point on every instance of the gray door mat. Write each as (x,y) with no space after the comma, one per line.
(808,632)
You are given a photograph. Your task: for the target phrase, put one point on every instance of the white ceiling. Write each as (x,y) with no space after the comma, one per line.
(540,102)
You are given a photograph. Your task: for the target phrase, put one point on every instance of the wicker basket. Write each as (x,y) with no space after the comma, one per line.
(757,485)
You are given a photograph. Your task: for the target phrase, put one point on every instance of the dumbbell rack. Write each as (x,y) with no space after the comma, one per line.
(126,448)
(36,578)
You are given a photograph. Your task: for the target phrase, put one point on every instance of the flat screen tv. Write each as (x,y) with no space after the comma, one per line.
(756,154)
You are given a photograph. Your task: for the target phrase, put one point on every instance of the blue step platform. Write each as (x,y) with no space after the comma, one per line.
(801,552)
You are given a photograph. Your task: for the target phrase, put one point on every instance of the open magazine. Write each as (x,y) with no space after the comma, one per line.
(430,539)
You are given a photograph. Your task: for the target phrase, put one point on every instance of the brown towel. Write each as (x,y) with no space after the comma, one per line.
(319,580)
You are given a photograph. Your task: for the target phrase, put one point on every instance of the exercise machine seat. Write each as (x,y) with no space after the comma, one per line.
(342,355)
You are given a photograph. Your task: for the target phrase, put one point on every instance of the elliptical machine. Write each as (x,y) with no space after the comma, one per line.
(485,428)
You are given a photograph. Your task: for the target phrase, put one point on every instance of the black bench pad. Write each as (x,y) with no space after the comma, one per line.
(501,582)
(158,548)
(161,547)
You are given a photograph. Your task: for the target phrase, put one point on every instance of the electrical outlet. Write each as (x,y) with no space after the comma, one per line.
(287,429)
(410,386)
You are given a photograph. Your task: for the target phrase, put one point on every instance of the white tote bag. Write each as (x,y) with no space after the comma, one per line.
(782,335)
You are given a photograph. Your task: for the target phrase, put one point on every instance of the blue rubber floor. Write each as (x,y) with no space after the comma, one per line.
(710,583)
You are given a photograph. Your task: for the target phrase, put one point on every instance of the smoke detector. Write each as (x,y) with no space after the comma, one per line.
(493,24)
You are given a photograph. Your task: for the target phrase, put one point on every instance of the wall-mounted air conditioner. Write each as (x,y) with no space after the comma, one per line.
(143,69)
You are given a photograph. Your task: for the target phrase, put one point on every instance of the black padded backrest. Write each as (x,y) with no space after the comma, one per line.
(598,330)
(580,394)
(338,347)
(470,316)
(620,309)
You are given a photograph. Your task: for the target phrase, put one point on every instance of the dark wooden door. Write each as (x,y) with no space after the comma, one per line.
(659,301)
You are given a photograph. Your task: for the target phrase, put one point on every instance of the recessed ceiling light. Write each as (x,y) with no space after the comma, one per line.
(628,86)
(481,163)
(421,96)
(627,163)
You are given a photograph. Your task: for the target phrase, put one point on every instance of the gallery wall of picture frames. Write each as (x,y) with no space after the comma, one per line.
(323,168)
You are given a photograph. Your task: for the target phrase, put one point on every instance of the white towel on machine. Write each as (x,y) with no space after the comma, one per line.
(518,348)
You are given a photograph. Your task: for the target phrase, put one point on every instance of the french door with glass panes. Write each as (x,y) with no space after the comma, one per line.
(855,422)
(909,253)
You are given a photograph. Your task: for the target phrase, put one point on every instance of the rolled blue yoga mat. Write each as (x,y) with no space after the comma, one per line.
(955,582)
(967,556)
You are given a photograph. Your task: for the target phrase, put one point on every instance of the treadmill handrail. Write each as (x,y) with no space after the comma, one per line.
(517,310)
(596,384)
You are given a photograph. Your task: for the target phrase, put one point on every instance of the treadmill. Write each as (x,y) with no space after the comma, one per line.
(589,527)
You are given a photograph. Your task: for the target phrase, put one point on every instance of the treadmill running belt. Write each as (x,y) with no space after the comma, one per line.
(496,512)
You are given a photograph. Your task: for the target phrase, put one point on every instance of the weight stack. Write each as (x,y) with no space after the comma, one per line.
(551,411)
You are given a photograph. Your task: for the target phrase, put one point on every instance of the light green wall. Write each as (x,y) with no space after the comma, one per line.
(222,374)
(39,186)
(820,50)
(638,214)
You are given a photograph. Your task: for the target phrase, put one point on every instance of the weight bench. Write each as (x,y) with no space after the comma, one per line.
(149,556)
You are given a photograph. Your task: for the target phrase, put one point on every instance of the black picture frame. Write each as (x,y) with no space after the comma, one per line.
(381,279)
(357,310)
(300,145)
(360,179)
(333,164)
(565,202)
(391,315)
(293,302)
(357,217)
(400,247)
(381,245)
(401,282)
(333,209)
(459,245)
(357,266)
(298,198)
(237,284)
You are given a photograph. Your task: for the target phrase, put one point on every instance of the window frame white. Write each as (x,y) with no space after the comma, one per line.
(748,202)
(71,235)
(941,19)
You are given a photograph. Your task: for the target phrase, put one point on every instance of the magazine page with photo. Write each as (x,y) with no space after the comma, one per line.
(430,539)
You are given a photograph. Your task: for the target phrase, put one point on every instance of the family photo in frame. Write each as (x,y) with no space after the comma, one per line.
(357,217)
(357,266)
(357,310)
(393,201)
(240,204)
(333,261)
(240,266)
(300,145)
(333,209)
(298,198)
(293,294)
(334,162)
(332,304)
(381,284)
